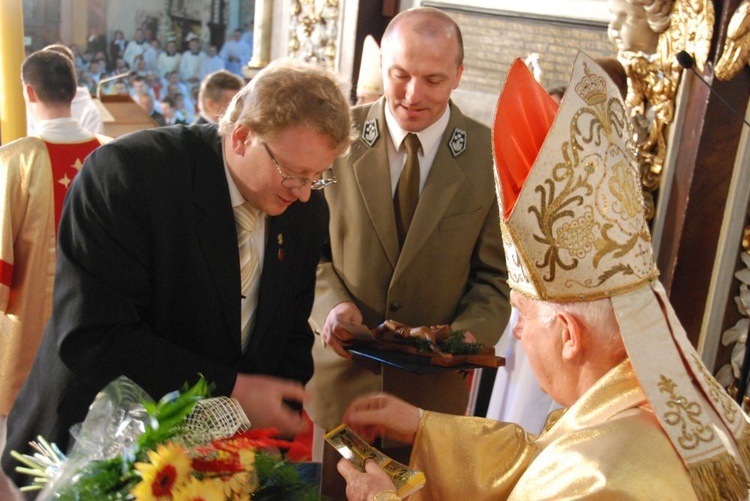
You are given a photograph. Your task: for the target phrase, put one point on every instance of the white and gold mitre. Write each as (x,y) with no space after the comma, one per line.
(572,215)
(370,79)
(574,230)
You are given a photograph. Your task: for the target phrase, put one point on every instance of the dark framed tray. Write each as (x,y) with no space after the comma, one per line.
(417,364)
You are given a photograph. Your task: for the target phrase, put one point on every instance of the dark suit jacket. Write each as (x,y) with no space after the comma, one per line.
(148,283)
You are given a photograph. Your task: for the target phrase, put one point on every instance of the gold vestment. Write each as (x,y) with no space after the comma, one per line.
(31,191)
(608,445)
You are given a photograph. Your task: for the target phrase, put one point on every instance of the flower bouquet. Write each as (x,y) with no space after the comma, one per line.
(184,447)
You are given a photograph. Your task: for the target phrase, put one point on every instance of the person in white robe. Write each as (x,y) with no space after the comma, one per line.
(236,53)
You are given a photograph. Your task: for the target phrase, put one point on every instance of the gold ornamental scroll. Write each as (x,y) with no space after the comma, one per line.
(12,104)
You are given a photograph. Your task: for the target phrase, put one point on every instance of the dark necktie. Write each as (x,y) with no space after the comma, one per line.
(407,190)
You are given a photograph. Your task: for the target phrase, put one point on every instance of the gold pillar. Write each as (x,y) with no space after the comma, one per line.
(262,34)
(80,22)
(12,104)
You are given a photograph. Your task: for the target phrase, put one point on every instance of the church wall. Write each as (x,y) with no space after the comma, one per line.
(493,40)
(126,16)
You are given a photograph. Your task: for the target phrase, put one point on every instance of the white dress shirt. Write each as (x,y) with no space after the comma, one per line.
(429,138)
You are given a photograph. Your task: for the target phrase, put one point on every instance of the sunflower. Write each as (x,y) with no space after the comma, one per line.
(239,485)
(168,468)
(210,489)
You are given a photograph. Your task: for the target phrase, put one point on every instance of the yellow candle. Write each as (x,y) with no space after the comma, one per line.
(12,104)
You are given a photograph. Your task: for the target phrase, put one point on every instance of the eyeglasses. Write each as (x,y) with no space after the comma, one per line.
(327,178)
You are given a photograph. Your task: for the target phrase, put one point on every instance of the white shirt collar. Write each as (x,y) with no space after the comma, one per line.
(62,130)
(428,137)
(206,117)
(234,192)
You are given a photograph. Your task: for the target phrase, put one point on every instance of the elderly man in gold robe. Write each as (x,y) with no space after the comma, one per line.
(644,418)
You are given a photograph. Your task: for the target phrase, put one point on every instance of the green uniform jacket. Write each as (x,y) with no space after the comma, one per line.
(451,269)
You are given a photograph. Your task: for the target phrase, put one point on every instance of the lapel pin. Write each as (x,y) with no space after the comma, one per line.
(280,240)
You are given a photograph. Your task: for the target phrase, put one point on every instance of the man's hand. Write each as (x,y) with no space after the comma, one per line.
(469,337)
(262,399)
(363,486)
(382,415)
(333,333)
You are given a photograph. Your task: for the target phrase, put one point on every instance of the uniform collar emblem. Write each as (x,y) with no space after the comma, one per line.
(370,132)
(457,142)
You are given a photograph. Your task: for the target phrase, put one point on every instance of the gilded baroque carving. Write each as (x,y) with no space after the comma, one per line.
(314,31)
(736,336)
(653,85)
(736,53)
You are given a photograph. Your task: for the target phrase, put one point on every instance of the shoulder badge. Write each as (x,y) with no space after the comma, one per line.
(370,132)
(457,142)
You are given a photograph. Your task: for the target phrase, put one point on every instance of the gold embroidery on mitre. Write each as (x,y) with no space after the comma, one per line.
(585,234)
(592,88)
(577,236)
(516,268)
(686,415)
(717,394)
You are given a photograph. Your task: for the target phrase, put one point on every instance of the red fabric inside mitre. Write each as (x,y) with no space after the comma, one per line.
(525,113)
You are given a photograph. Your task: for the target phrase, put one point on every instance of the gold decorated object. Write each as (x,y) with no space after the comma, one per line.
(686,415)
(578,230)
(574,230)
(653,85)
(736,52)
(313,31)
(357,451)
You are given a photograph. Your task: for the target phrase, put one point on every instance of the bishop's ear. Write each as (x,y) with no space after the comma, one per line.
(571,335)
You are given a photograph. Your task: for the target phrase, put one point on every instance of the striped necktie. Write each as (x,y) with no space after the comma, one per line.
(246,219)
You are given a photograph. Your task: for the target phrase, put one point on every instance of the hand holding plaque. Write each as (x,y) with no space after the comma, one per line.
(439,344)
(354,448)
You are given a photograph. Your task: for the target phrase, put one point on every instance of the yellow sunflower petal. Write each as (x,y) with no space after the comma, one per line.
(200,490)
(169,468)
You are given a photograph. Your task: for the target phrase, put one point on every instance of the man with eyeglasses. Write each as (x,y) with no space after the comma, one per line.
(441,263)
(150,277)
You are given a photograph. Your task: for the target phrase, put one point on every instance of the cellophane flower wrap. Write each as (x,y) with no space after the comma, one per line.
(184,447)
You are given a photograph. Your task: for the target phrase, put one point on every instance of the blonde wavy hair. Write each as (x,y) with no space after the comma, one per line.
(286,93)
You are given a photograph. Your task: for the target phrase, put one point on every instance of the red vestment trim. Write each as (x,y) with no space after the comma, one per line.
(66,160)
(6,273)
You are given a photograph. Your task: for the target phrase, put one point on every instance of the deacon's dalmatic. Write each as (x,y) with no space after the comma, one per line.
(574,230)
